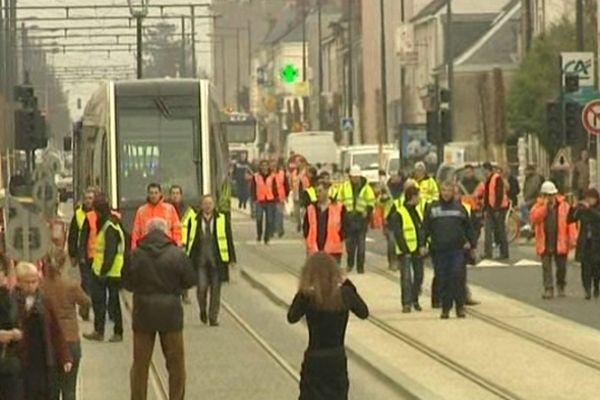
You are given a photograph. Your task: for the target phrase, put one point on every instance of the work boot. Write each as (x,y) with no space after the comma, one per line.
(214,323)
(94,336)
(349,268)
(436,304)
(445,314)
(405,309)
(203,317)
(460,312)
(596,291)
(116,338)
(588,295)
(548,294)
(417,306)
(561,291)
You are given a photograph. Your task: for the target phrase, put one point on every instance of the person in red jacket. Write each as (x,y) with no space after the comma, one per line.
(554,236)
(264,190)
(282,191)
(155,207)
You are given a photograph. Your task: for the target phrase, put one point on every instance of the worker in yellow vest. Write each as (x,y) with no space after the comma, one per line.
(405,221)
(428,186)
(359,199)
(77,249)
(211,249)
(109,257)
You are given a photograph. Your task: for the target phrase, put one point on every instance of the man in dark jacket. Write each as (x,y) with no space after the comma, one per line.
(448,226)
(10,335)
(157,273)
(212,250)
(77,240)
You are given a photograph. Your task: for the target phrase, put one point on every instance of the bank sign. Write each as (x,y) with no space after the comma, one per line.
(580,63)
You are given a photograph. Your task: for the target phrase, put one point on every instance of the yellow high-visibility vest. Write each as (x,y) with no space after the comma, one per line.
(117,265)
(189,215)
(222,243)
(409,231)
(366,198)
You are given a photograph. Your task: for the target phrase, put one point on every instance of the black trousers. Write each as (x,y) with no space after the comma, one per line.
(356,241)
(450,270)
(11,387)
(85,272)
(324,375)
(590,274)
(105,297)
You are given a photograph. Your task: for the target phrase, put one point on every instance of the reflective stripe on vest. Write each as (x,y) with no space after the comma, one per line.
(117,265)
(80,217)
(333,241)
(222,243)
(365,198)
(264,189)
(428,189)
(409,231)
(189,214)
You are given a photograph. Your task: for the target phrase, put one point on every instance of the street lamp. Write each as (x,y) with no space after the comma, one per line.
(138,9)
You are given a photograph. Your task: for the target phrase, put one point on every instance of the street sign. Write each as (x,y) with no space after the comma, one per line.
(561,160)
(590,117)
(347,124)
(580,64)
(27,235)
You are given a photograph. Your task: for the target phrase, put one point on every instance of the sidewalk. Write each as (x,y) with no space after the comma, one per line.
(517,361)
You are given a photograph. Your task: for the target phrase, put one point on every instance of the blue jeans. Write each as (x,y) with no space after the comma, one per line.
(356,241)
(450,272)
(266,212)
(67,382)
(411,278)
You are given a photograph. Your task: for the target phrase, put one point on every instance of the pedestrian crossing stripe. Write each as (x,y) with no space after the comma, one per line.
(491,264)
(527,263)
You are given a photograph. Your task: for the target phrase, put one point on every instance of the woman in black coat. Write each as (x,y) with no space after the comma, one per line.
(587,213)
(326,299)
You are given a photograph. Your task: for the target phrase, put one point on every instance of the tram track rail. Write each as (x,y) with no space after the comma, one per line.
(474,377)
(520,333)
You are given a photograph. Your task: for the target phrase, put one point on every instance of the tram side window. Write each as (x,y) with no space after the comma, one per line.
(219,160)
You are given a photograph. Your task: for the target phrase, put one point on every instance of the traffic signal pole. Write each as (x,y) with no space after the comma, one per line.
(598,80)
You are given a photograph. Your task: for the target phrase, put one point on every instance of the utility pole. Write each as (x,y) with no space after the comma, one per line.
(239,68)
(381,137)
(579,24)
(402,92)
(304,99)
(527,8)
(320,62)
(138,9)
(182,66)
(223,70)
(249,27)
(598,44)
(193,30)
(350,99)
(449,51)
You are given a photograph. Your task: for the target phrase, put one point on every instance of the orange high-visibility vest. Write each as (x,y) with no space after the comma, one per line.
(264,188)
(493,187)
(567,233)
(280,184)
(333,240)
(92,218)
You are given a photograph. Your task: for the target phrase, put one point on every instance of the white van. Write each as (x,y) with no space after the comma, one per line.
(367,158)
(315,146)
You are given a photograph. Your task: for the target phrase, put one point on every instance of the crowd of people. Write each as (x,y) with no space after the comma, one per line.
(173,247)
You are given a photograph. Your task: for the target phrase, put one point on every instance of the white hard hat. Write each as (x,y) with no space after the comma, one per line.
(421,165)
(355,170)
(548,188)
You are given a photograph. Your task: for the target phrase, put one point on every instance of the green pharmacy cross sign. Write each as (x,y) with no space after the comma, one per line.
(289,73)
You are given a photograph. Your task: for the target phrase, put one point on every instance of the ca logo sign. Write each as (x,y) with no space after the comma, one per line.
(579,67)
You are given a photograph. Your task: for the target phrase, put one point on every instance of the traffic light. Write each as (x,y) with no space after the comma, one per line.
(574,131)
(30,125)
(554,123)
(571,83)
(433,127)
(446,125)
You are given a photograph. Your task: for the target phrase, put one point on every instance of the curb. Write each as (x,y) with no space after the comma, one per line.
(402,384)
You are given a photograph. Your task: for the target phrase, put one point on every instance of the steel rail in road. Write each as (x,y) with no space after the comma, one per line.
(481,381)
(521,333)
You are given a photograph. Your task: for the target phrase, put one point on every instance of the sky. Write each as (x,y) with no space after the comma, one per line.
(122,61)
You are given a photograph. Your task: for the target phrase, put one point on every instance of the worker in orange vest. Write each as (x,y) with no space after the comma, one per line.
(495,206)
(264,196)
(155,207)
(323,224)
(282,192)
(554,237)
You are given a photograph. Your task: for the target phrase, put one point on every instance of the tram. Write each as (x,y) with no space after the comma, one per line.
(243,135)
(160,130)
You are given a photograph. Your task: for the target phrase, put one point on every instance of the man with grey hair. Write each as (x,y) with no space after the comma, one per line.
(157,273)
